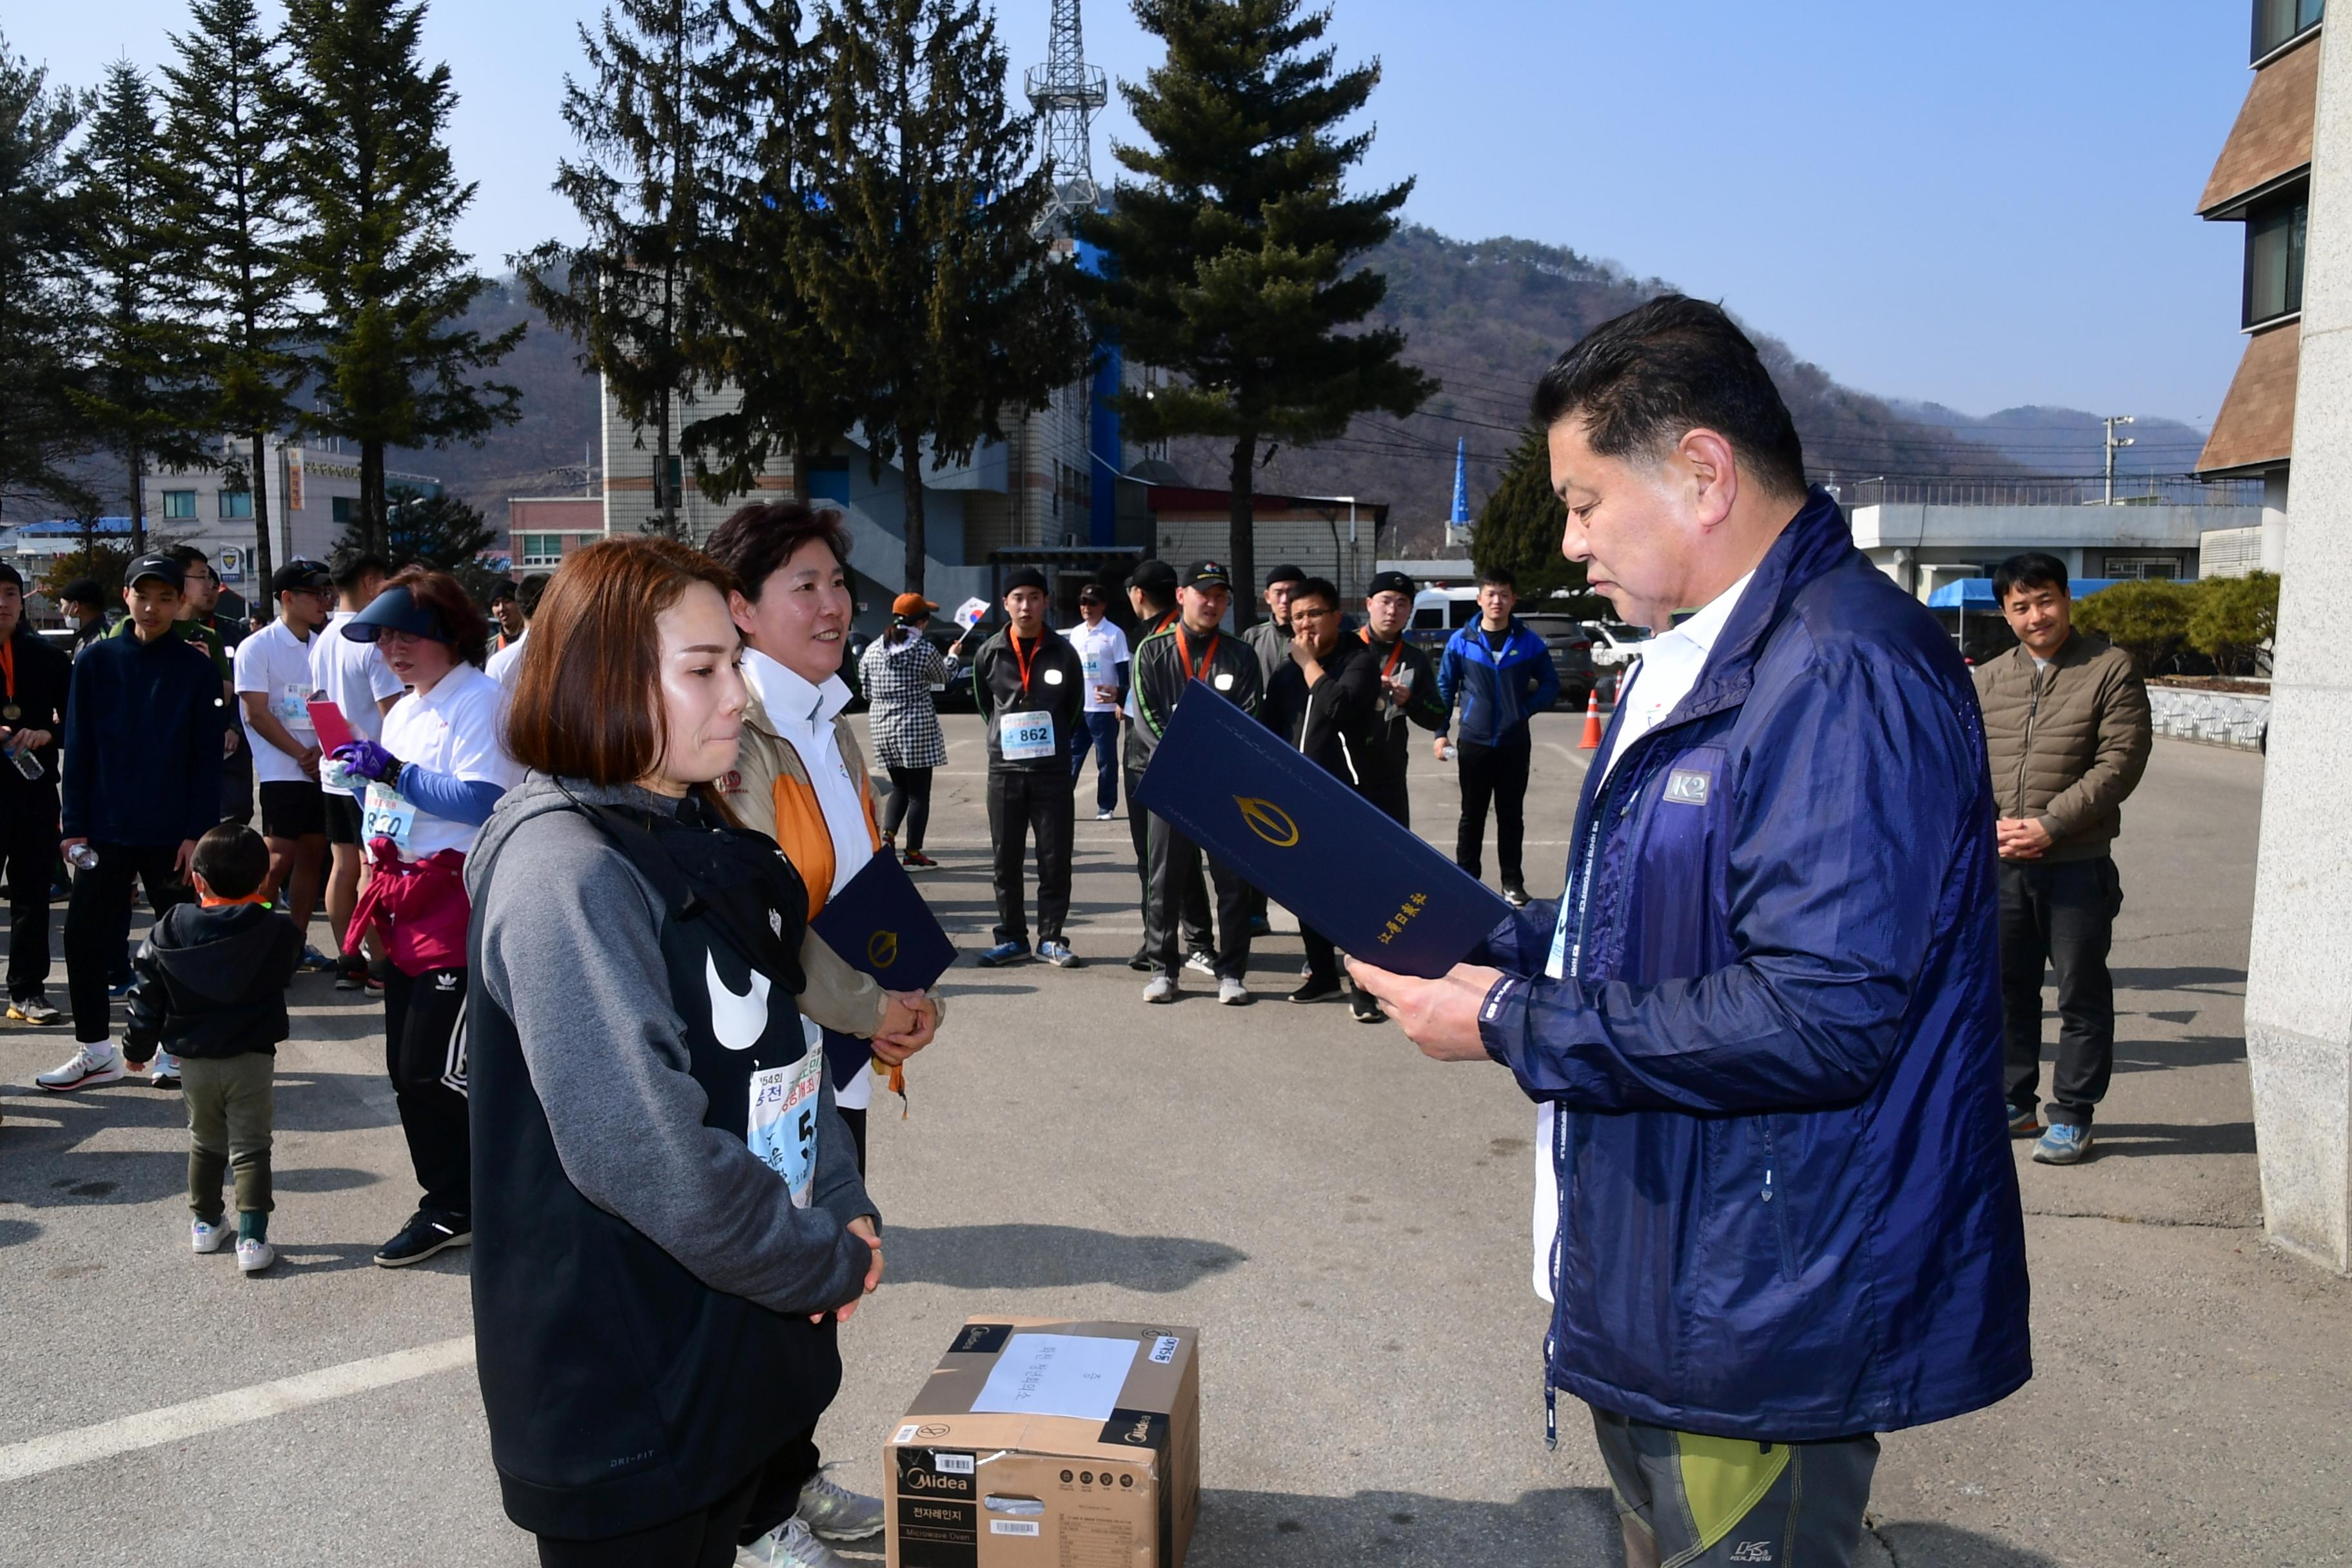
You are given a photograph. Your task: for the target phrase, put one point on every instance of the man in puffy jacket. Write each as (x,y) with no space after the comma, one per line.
(1776,1212)
(2067,734)
(1501,674)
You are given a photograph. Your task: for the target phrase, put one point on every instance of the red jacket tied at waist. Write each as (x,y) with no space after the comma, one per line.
(421,906)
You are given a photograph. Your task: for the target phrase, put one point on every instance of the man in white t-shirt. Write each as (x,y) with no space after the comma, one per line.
(354,677)
(275,685)
(1103,655)
(506,665)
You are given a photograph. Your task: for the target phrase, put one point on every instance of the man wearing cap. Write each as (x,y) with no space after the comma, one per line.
(506,608)
(1166,666)
(1270,639)
(1031,691)
(33,678)
(274,683)
(1102,653)
(141,784)
(1408,694)
(353,675)
(506,665)
(1151,594)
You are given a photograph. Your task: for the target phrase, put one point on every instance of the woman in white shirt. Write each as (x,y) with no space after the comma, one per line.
(432,778)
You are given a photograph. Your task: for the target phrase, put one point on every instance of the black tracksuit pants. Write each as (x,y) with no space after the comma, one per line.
(707,1537)
(2064,915)
(1498,774)
(424,1055)
(94,923)
(28,848)
(1175,861)
(1020,804)
(1193,908)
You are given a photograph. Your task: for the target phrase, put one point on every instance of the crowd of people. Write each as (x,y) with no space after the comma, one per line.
(1770,1028)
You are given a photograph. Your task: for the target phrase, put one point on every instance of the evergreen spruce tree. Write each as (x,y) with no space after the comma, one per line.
(226,103)
(43,304)
(632,294)
(141,394)
(1234,251)
(380,197)
(941,306)
(1521,524)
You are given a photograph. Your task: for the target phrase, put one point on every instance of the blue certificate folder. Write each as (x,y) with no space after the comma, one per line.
(880,925)
(1312,844)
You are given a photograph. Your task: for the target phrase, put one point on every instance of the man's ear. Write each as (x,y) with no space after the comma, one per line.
(739,609)
(1712,469)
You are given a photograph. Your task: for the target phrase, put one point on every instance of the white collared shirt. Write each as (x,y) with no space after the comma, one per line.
(1101,650)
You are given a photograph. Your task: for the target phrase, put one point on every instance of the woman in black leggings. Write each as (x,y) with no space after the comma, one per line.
(899,672)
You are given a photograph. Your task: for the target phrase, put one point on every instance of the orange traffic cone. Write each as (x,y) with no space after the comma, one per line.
(1592,742)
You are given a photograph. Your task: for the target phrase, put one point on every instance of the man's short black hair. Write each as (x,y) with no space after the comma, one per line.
(1321,588)
(533,589)
(2030,569)
(188,555)
(1676,364)
(232,859)
(1499,577)
(352,568)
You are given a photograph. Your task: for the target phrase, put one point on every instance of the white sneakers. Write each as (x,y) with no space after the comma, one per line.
(253,1256)
(1162,988)
(93,1062)
(789,1545)
(210,1238)
(1233,993)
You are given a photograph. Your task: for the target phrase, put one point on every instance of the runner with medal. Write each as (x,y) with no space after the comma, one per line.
(1031,689)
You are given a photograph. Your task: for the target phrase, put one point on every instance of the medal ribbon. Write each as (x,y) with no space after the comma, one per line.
(1023,660)
(1184,656)
(1396,651)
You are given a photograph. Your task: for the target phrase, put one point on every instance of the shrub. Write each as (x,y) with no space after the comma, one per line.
(2148,620)
(2234,620)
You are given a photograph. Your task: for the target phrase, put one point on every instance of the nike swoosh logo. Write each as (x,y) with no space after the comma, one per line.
(738,1021)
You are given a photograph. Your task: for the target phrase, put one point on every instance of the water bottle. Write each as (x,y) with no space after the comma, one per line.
(82,857)
(28,764)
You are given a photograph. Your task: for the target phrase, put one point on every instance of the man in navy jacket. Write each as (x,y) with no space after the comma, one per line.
(1776,1207)
(142,760)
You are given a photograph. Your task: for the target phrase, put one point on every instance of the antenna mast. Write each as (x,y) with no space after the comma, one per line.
(1066,91)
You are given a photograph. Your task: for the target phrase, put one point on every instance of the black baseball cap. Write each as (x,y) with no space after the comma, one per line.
(1285,573)
(1390,582)
(155,563)
(1207,575)
(1156,578)
(301,575)
(504,590)
(1026,577)
(11,575)
(82,591)
(396,610)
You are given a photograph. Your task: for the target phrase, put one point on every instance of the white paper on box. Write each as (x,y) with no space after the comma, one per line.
(1057,1374)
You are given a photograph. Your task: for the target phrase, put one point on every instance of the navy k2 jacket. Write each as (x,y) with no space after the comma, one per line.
(1787,1211)
(143,742)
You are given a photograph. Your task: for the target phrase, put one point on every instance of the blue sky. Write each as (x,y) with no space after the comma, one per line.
(1983,205)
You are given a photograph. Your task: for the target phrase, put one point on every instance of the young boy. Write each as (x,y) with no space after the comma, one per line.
(211,989)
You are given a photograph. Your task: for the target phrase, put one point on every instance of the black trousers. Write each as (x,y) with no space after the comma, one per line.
(95,920)
(1174,860)
(910,802)
(1498,774)
(237,784)
(2064,915)
(1193,907)
(424,1055)
(28,850)
(707,1537)
(1020,804)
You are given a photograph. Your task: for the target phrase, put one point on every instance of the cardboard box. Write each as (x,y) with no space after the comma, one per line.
(1047,1444)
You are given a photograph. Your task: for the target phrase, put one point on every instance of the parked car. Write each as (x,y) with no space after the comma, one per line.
(1572,648)
(1614,644)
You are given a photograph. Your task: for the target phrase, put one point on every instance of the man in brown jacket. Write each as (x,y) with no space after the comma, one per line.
(2067,734)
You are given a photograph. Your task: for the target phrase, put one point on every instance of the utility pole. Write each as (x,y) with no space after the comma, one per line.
(1066,91)
(2113,446)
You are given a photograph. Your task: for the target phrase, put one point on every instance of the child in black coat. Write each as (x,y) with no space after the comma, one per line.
(210,988)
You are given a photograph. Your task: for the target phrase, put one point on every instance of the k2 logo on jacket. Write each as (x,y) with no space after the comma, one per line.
(739,1020)
(1687,787)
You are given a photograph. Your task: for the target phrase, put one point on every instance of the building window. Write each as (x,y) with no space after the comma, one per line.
(179,505)
(2276,21)
(236,503)
(342,508)
(541,549)
(2275,241)
(2144,568)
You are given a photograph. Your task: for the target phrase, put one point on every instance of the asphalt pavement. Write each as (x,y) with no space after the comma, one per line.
(1345,1222)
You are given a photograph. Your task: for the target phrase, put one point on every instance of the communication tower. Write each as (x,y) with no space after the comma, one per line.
(1066,92)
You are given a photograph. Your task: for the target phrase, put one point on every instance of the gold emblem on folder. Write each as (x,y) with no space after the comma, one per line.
(1268,821)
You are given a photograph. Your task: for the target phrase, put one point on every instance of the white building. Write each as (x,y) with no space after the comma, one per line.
(1923,546)
(314,495)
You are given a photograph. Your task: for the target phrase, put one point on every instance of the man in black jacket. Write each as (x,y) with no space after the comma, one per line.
(1151,594)
(1166,665)
(1031,691)
(33,682)
(143,758)
(1326,701)
(1408,694)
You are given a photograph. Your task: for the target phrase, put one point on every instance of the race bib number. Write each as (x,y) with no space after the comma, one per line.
(781,1127)
(293,708)
(389,814)
(1025,737)
(1093,665)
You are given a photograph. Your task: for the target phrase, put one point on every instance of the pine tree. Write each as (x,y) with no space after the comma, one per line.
(942,307)
(141,394)
(1234,252)
(633,294)
(380,198)
(43,303)
(226,104)
(1520,526)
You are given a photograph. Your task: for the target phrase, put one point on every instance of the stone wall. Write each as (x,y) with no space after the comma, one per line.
(2216,718)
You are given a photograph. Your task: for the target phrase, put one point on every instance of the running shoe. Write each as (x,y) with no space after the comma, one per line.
(163,1072)
(2064,1144)
(1261,926)
(1516,895)
(1233,993)
(314,961)
(1315,989)
(254,1255)
(1002,953)
(378,971)
(1059,955)
(350,972)
(1201,962)
(917,860)
(789,1545)
(1367,1008)
(1141,961)
(92,1063)
(2025,1123)
(1106,817)
(422,1237)
(835,1513)
(32,1010)
(210,1236)
(1161,989)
